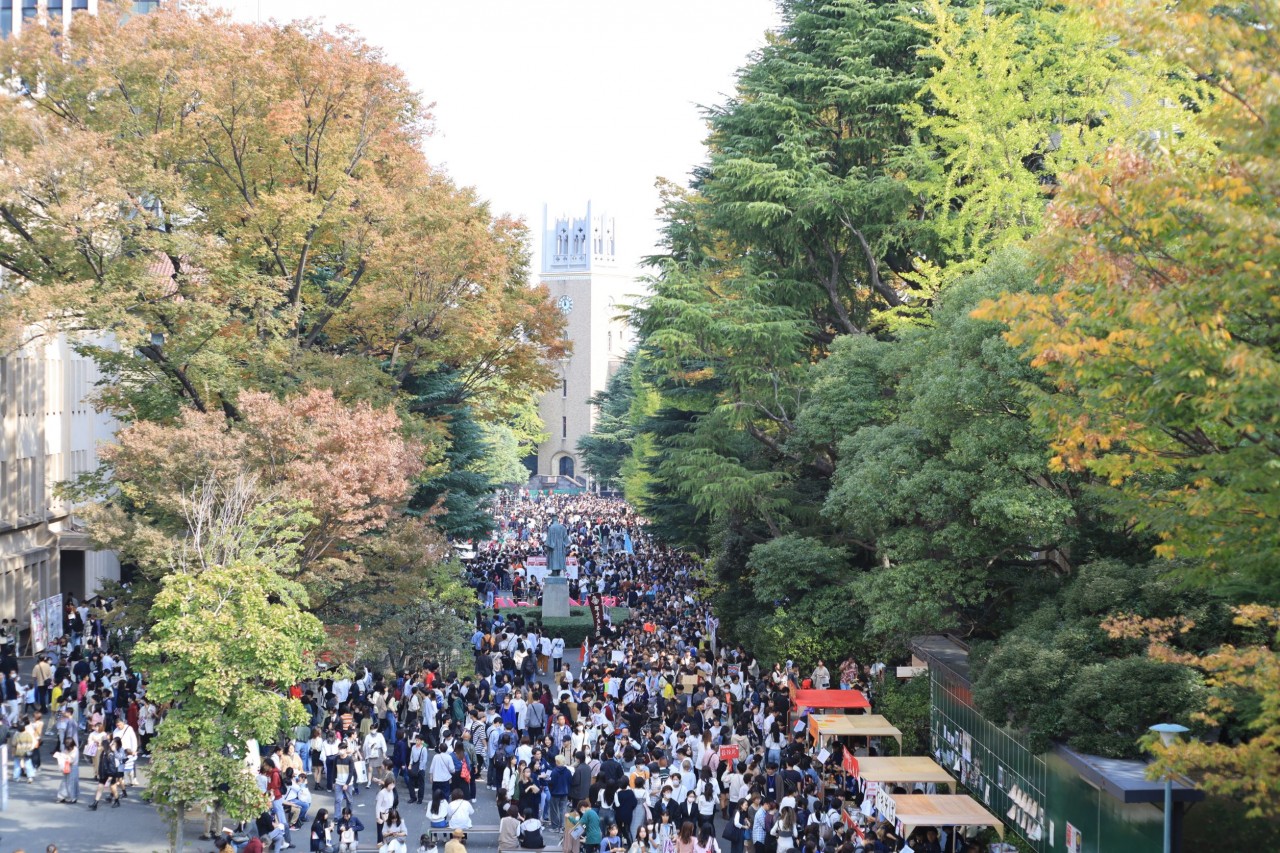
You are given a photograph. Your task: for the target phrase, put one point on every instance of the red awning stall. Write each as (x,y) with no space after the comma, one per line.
(822,700)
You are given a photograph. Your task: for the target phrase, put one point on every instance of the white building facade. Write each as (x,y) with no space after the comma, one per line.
(49,433)
(49,430)
(580,269)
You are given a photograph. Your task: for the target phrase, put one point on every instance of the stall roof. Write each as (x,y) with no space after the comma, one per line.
(1126,779)
(943,810)
(853,725)
(903,768)
(831,699)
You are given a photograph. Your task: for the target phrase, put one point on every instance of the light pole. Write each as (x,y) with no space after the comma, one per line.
(1168,736)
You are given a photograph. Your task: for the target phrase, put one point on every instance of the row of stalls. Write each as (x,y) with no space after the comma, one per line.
(843,716)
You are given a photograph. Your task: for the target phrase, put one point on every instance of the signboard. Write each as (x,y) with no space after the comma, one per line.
(537,568)
(570,567)
(850,763)
(1074,841)
(885,805)
(912,671)
(46,622)
(729,753)
(597,611)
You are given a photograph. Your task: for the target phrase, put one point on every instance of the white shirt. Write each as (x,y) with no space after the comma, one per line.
(375,745)
(557,647)
(460,812)
(442,767)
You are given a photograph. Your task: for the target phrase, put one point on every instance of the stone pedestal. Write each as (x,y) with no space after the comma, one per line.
(555,598)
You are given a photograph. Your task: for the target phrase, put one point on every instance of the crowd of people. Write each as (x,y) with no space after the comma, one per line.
(661,739)
(667,741)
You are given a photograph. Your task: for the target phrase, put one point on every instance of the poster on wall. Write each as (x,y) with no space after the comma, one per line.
(1074,841)
(46,622)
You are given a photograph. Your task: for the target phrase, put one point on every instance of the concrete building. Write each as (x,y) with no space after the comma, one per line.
(15,15)
(49,431)
(580,268)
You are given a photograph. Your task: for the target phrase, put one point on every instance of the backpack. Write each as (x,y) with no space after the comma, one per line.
(531,839)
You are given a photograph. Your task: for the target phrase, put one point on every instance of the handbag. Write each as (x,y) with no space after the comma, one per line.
(731,832)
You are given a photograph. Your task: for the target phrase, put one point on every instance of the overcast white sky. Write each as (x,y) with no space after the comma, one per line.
(559,101)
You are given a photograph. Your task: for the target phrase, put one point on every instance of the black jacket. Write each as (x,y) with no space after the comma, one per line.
(580,786)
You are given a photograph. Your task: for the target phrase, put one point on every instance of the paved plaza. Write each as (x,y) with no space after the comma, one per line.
(34,820)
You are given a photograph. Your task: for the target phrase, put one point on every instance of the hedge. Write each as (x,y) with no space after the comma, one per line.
(574,629)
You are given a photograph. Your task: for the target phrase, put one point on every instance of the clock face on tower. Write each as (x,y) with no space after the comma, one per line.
(565,304)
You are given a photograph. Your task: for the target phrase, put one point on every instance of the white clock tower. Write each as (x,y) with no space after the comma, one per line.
(580,269)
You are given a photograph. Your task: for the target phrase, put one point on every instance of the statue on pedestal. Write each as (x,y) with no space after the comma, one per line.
(556,546)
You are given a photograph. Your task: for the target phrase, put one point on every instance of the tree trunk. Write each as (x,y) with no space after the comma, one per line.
(177,829)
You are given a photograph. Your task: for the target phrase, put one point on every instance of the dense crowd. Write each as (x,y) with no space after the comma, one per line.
(668,741)
(662,739)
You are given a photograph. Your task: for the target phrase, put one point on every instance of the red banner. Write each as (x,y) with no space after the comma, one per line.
(729,753)
(850,763)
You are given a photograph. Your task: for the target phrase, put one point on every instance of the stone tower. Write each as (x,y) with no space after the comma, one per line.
(581,270)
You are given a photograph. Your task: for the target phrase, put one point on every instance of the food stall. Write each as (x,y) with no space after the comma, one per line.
(823,727)
(886,770)
(831,700)
(909,811)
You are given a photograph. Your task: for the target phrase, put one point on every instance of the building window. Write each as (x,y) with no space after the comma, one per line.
(564,427)
(141,7)
(30,8)
(55,8)
(79,5)
(6,18)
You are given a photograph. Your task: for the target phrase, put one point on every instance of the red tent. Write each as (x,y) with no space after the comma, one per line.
(824,699)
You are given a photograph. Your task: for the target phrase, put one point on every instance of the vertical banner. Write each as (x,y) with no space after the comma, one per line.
(597,612)
(46,622)
(850,763)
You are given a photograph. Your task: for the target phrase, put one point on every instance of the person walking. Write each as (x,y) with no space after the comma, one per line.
(109,774)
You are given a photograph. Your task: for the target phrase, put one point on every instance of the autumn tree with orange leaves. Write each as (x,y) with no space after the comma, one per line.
(1161,334)
(252,192)
(1158,328)
(247,210)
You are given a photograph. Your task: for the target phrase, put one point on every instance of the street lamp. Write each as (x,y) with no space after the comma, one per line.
(1169,733)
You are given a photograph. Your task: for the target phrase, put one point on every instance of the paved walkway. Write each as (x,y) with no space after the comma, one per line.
(35,819)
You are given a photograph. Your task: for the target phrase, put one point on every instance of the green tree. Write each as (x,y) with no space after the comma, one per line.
(456,494)
(939,471)
(228,633)
(1016,100)
(606,448)
(1159,331)
(1061,676)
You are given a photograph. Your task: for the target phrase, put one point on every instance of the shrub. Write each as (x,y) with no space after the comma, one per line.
(574,629)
